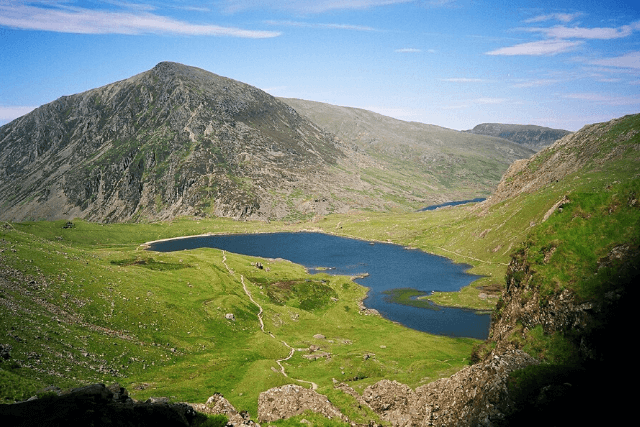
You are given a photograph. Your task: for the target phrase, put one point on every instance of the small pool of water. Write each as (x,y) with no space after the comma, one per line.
(388,266)
(459,202)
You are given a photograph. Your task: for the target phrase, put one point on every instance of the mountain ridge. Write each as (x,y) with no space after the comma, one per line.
(177,140)
(531,136)
(82,302)
(171,120)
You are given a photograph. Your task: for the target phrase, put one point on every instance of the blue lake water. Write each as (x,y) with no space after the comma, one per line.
(389,267)
(459,202)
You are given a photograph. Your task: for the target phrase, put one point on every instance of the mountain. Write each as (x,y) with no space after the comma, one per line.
(560,240)
(174,140)
(424,159)
(178,140)
(530,136)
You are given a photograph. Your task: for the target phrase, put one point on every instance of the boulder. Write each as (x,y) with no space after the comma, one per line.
(290,400)
(218,405)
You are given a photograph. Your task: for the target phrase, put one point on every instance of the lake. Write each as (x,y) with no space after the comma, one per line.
(388,266)
(459,202)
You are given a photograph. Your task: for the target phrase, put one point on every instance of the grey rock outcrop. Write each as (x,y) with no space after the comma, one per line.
(291,400)
(218,405)
(174,140)
(476,395)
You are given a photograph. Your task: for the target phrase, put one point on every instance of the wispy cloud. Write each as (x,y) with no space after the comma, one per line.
(629,60)
(599,98)
(538,48)
(305,6)
(476,102)
(562,17)
(462,80)
(133,21)
(320,25)
(562,32)
(193,8)
(536,83)
(560,38)
(8,113)
(408,50)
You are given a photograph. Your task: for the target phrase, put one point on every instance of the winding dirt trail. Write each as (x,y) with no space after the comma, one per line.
(314,386)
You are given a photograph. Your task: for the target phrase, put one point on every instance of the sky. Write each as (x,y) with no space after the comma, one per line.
(451,63)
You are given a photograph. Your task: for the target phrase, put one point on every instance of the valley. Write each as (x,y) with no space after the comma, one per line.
(88,180)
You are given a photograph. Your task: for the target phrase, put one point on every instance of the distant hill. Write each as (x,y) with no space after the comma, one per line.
(434,162)
(530,136)
(178,140)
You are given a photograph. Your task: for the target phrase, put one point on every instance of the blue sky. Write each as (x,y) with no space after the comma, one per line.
(452,63)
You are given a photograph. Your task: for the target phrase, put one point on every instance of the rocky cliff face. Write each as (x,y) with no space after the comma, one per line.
(530,136)
(171,141)
(594,146)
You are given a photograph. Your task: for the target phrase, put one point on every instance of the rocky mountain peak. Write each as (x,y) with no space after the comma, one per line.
(178,140)
(173,140)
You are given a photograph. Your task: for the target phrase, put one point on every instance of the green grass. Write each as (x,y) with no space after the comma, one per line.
(568,251)
(89,304)
(102,309)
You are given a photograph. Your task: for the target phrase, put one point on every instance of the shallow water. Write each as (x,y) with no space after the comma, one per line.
(459,202)
(389,267)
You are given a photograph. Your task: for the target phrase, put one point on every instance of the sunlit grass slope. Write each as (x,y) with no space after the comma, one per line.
(89,304)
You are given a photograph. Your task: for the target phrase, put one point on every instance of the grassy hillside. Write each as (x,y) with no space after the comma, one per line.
(419,164)
(87,304)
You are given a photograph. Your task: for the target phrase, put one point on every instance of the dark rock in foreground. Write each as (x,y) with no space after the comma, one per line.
(96,405)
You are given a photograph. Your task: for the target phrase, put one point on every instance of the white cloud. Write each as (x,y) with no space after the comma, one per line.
(610,80)
(562,17)
(561,32)
(476,102)
(560,39)
(305,6)
(321,25)
(8,113)
(536,83)
(15,14)
(603,99)
(484,101)
(629,60)
(462,80)
(408,50)
(538,48)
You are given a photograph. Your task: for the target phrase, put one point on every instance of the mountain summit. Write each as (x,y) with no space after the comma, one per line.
(178,140)
(173,140)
